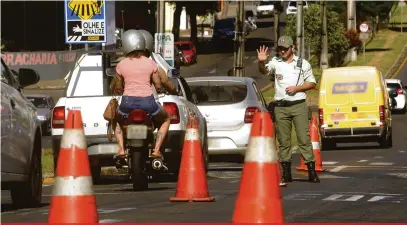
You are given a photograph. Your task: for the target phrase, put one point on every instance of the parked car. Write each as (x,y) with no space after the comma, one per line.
(228,105)
(400,100)
(44,105)
(265,9)
(21,170)
(292,7)
(188,51)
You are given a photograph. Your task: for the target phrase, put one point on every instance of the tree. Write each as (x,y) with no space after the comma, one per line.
(194,9)
(376,10)
(337,42)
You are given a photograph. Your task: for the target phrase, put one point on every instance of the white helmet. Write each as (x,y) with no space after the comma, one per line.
(149,40)
(132,40)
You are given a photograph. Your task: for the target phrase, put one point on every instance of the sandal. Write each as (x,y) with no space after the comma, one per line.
(120,160)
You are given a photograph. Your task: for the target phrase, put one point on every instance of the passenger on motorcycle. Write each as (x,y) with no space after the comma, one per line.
(138,72)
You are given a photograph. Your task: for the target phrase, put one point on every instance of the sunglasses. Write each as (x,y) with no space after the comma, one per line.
(283,48)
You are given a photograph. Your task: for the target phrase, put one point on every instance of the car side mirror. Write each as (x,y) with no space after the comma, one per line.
(111,72)
(27,77)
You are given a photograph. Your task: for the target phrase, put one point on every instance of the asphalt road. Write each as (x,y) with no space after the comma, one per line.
(363,183)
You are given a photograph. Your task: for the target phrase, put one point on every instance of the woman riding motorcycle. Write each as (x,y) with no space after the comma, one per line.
(138,71)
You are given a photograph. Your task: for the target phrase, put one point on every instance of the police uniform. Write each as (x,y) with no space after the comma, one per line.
(290,109)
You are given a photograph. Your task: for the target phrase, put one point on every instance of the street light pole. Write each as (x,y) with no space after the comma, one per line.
(160,16)
(238,70)
(300,28)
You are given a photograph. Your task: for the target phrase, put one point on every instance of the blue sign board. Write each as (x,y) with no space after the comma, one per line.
(85,21)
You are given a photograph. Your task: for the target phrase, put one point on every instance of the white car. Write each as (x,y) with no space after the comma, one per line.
(87,90)
(292,7)
(401,90)
(228,104)
(265,8)
(21,170)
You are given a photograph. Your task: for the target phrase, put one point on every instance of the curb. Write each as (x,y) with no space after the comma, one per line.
(48,180)
(397,63)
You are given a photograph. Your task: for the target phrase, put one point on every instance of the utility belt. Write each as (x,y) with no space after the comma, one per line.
(285,103)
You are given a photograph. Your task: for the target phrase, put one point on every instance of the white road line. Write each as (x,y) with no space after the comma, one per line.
(109,221)
(234,181)
(363,160)
(401,151)
(255,61)
(338,168)
(377,198)
(328,163)
(213,71)
(381,163)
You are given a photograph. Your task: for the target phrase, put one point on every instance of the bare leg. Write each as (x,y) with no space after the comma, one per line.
(119,137)
(162,132)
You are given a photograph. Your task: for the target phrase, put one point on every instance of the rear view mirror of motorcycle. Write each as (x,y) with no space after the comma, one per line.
(110,72)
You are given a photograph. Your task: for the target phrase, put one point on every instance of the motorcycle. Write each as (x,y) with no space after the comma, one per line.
(139,142)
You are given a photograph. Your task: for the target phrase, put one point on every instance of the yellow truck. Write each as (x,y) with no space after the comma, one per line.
(354,107)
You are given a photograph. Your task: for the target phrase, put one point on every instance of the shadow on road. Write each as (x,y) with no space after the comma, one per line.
(10,207)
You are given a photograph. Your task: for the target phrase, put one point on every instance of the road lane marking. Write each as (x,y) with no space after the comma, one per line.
(337,197)
(338,168)
(378,198)
(401,151)
(213,71)
(328,163)
(234,181)
(109,221)
(255,61)
(363,160)
(381,164)
(400,175)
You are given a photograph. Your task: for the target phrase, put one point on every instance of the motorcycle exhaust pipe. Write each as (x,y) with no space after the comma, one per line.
(157,164)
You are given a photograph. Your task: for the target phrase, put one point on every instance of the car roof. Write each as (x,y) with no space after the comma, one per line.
(220,78)
(393,81)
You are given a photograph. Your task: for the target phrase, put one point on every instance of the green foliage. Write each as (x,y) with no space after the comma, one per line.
(337,42)
(375,8)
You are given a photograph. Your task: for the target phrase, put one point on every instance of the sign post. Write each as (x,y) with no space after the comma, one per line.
(85,22)
(364,35)
(164,45)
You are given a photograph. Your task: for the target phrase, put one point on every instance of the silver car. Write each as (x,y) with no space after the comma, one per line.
(228,105)
(44,105)
(21,171)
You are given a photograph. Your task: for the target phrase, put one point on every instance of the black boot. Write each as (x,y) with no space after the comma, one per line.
(286,172)
(312,175)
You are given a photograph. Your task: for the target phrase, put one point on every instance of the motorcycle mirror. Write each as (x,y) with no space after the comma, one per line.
(110,72)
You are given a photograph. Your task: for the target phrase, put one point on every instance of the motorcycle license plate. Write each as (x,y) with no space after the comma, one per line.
(137,132)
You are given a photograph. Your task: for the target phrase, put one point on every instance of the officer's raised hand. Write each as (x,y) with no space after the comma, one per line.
(262,53)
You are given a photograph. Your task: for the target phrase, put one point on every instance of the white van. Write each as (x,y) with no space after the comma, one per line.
(292,7)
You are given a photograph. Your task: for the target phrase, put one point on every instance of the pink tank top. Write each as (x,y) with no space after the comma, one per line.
(137,74)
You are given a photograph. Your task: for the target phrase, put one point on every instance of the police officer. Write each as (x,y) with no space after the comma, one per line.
(292,78)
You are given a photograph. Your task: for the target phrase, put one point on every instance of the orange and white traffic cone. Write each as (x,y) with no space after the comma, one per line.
(72,199)
(313,130)
(192,184)
(259,197)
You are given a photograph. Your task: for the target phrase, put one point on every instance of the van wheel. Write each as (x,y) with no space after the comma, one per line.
(387,140)
(404,110)
(327,144)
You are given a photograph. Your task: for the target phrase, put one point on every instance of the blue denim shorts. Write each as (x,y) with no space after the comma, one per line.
(147,104)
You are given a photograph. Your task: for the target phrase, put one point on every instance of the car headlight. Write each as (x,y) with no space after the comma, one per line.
(41,117)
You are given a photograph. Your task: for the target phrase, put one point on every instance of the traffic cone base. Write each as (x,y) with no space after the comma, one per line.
(259,197)
(192,185)
(73,200)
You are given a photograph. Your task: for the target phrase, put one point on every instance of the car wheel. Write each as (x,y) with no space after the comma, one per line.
(386,141)
(404,110)
(29,194)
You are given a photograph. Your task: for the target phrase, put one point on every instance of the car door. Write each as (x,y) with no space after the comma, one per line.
(189,102)
(16,154)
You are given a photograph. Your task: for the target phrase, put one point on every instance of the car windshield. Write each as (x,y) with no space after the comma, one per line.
(184,46)
(226,23)
(393,86)
(218,92)
(38,102)
(266,3)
